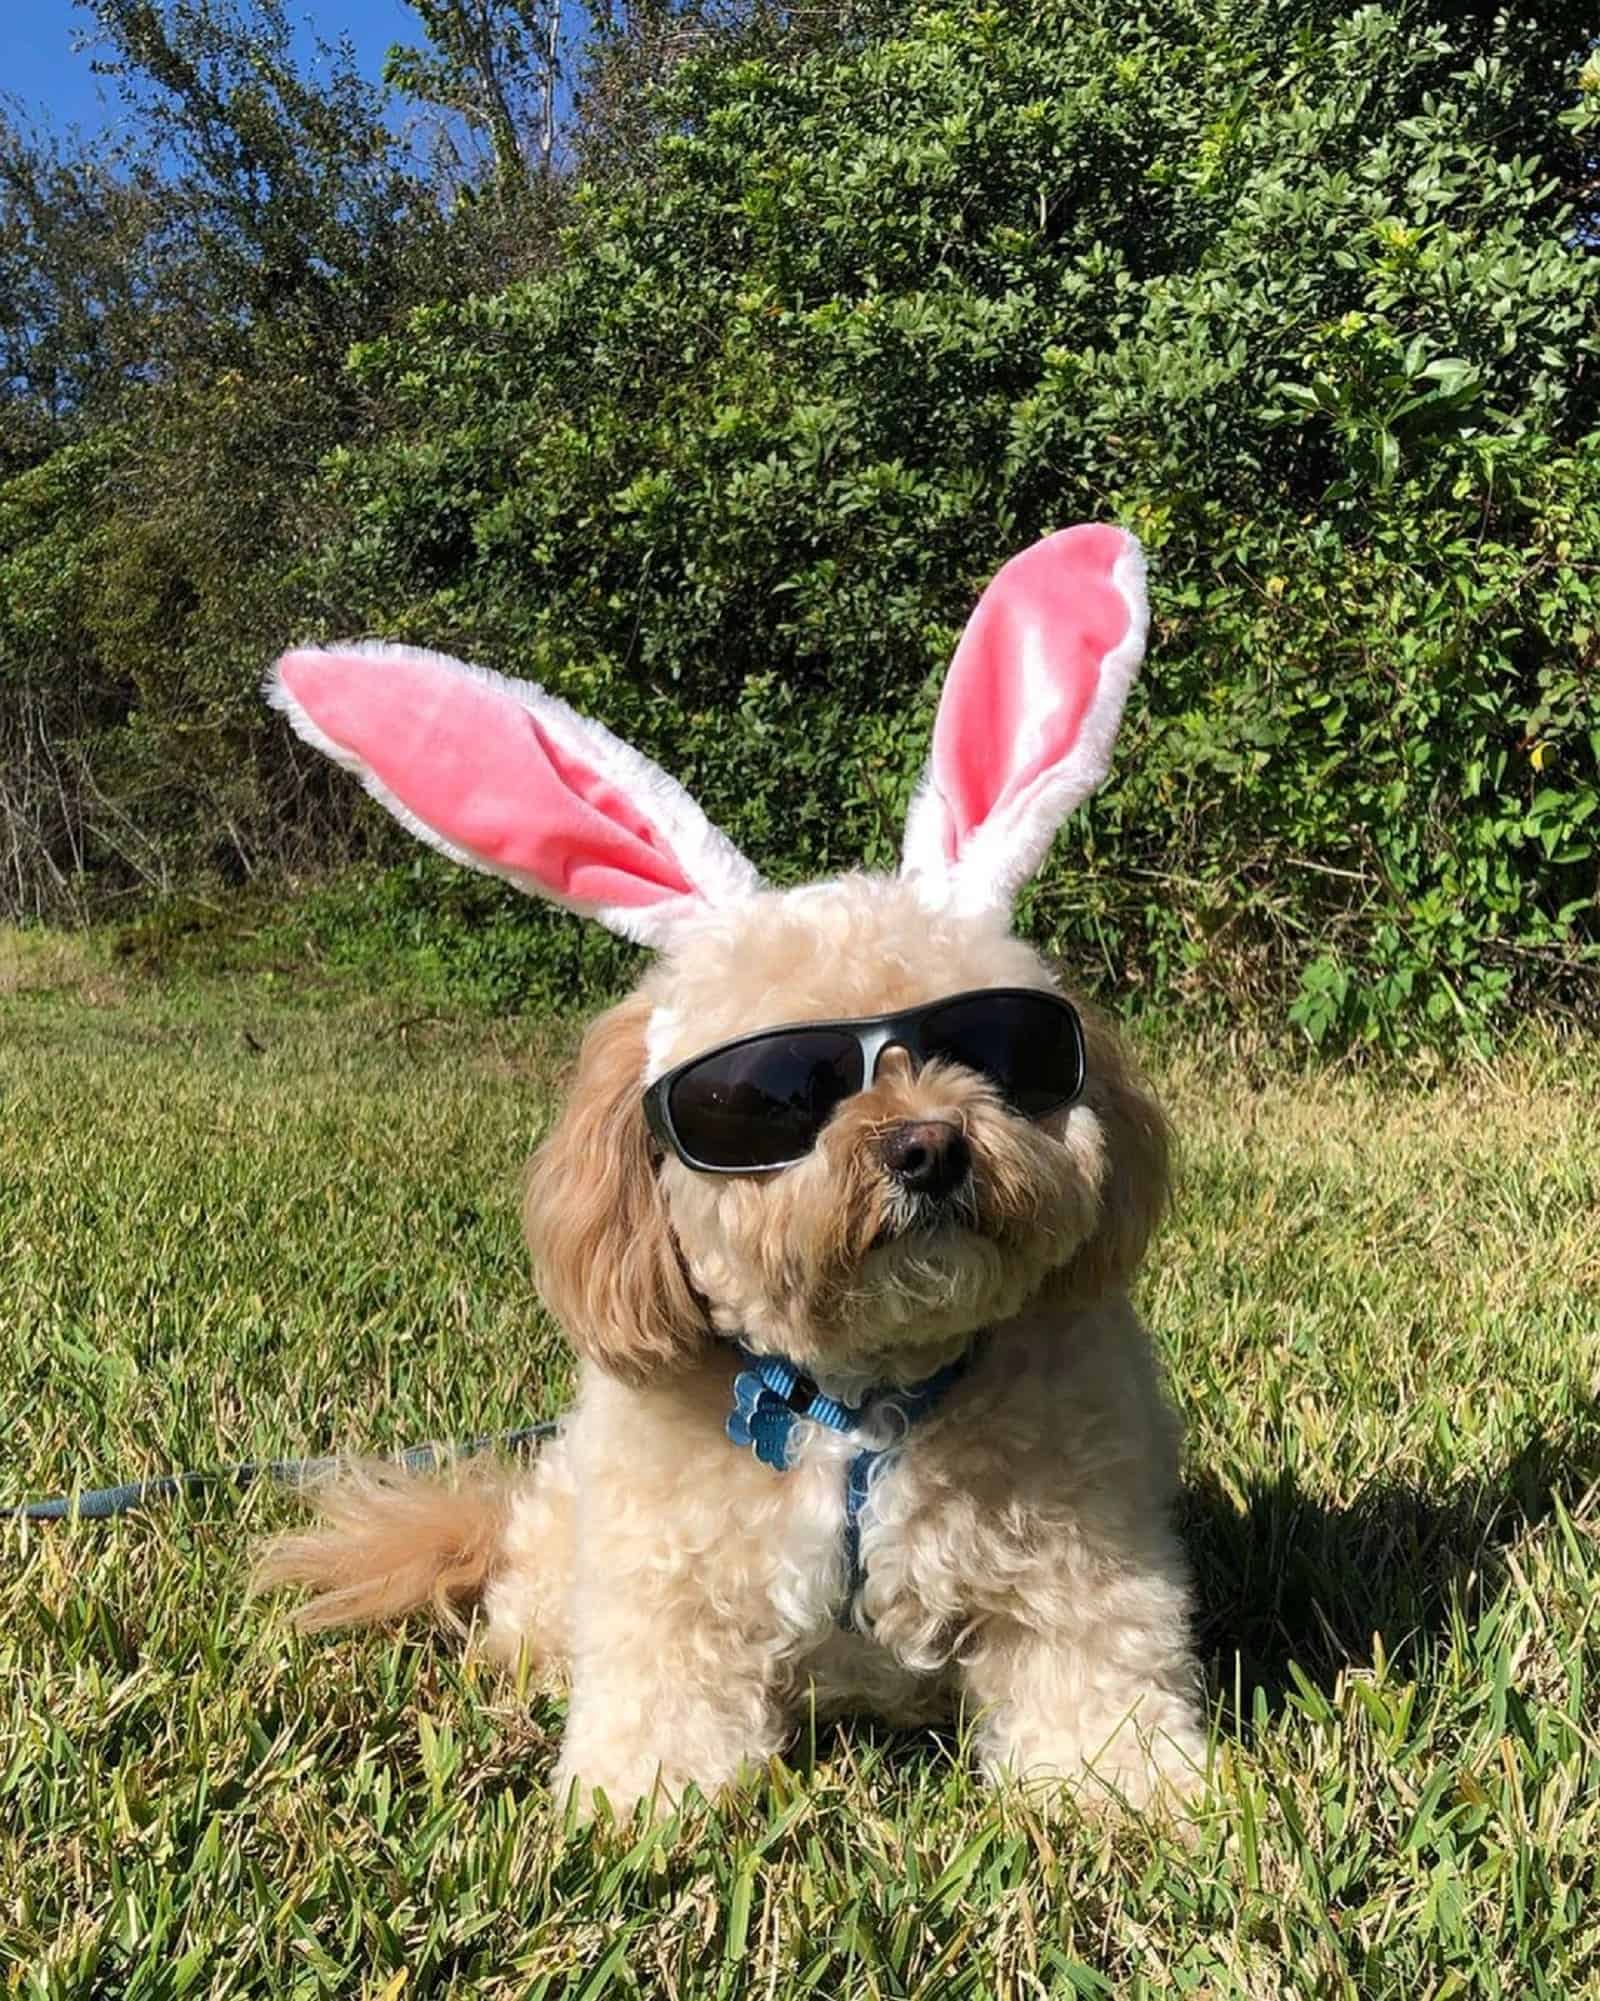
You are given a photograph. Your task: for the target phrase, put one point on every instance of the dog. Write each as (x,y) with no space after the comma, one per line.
(840,1218)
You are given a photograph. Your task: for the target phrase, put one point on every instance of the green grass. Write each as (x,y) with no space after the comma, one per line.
(233,1225)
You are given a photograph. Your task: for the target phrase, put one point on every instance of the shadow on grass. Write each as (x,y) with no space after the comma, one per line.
(1288,1578)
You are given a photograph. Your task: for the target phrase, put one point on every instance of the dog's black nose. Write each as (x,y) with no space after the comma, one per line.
(930,1157)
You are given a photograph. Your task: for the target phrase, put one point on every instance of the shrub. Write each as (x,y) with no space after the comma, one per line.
(1299,292)
(1305,294)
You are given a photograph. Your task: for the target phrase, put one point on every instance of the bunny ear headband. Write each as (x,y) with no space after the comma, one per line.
(503,777)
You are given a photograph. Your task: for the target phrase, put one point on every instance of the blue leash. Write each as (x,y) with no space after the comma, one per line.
(100,1504)
(771,1396)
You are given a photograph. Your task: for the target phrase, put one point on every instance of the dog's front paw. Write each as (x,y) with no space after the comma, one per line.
(1160,1772)
(590,1797)
(626,1784)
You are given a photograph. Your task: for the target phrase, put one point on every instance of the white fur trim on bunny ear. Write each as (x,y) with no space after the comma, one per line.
(661,1032)
(503,777)
(1028,716)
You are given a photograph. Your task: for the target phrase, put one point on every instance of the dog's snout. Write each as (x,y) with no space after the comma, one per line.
(928,1156)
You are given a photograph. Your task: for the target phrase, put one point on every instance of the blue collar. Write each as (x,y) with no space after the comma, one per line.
(771,1396)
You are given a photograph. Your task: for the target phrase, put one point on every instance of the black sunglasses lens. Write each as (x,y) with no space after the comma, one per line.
(762,1103)
(1027,1045)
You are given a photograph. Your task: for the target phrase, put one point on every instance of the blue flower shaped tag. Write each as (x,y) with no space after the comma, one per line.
(761,1418)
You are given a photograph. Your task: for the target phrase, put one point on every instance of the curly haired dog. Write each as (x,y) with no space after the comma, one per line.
(864,1416)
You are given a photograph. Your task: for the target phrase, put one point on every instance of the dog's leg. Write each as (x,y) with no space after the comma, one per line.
(666,1692)
(682,1637)
(1096,1683)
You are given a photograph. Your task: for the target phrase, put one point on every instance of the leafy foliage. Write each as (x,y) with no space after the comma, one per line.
(1306,294)
(174,371)
(1297,292)
(494,64)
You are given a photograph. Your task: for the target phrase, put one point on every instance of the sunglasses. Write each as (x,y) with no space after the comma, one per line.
(760,1101)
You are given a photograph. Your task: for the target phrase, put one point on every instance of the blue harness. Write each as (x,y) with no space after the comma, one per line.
(771,1396)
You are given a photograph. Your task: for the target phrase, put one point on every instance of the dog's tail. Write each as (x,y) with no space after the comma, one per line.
(389,1541)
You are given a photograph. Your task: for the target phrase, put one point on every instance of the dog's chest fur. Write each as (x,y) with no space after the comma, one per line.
(673,1513)
(838,1621)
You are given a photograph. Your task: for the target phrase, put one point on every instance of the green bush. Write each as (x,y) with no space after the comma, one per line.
(443,936)
(1295,291)
(1306,295)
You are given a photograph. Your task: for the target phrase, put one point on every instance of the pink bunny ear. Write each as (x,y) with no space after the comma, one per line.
(1028,715)
(499,775)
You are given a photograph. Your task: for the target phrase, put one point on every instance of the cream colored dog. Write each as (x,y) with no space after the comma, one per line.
(864,1415)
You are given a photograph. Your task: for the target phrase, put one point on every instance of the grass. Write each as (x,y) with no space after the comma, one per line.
(234,1225)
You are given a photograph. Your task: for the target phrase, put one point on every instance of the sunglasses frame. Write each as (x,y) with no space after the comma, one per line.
(874,1034)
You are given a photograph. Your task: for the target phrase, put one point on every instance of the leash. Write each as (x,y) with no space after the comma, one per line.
(771,1396)
(99,1504)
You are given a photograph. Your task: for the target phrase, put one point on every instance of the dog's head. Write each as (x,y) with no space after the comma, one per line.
(919,1203)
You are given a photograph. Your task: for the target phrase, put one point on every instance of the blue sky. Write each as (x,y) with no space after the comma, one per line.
(38,66)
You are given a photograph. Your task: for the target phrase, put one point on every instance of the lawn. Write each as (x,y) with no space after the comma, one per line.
(239,1221)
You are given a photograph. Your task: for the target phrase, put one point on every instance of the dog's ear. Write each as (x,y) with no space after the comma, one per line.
(1138,1165)
(596,1220)
(1028,716)
(502,776)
